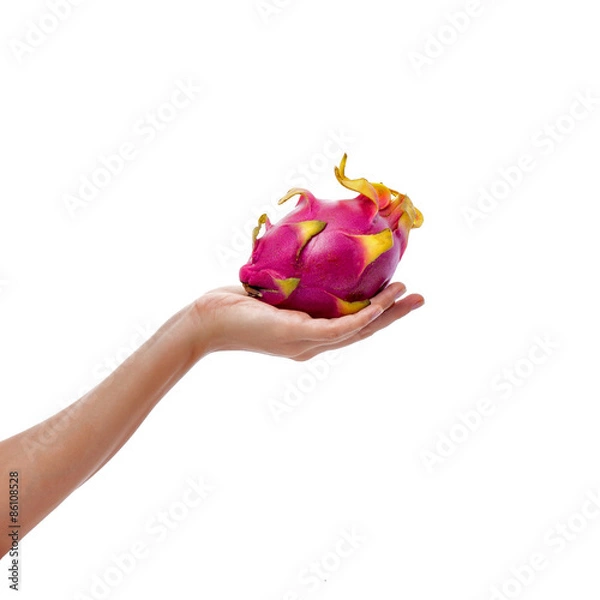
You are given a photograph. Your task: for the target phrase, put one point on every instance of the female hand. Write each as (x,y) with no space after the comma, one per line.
(232,320)
(68,448)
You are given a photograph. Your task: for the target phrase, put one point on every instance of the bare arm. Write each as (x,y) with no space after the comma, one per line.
(56,456)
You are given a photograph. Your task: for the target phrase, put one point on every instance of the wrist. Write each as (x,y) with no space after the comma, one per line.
(202,327)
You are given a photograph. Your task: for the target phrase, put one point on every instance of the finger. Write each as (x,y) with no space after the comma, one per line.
(399,310)
(395,312)
(334,331)
(331,331)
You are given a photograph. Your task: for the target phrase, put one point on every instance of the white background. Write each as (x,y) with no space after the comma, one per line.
(272,89)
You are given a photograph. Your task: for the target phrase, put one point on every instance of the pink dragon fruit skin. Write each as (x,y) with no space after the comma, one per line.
(328,258)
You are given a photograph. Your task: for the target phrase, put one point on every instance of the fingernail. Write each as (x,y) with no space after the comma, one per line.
(377,313)
(400,292)
(417,304)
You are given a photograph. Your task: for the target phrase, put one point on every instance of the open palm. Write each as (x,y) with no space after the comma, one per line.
(232,320)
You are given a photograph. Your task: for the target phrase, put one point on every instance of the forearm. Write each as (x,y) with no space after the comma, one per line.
(56,456)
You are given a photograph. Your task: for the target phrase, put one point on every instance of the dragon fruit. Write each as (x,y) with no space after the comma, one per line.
(328,258)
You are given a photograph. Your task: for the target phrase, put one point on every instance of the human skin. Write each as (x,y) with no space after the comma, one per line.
(55,457)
